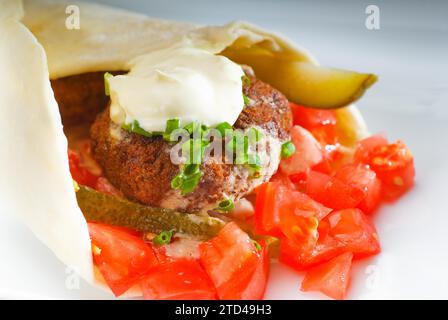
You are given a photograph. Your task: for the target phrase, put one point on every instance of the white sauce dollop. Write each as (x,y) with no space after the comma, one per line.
(179,82)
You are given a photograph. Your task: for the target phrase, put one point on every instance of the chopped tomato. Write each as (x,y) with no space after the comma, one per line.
(299,217)
(307,154)
(281,210)
(332,192)
(321,123)
(257,285)
(182,279)
(121,256)
(267,219)
(360,176)
(232,261)
(341,231)
(331,278)
(80,173)
(393,163)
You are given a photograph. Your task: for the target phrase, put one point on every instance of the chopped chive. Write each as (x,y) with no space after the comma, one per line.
(135,128)
(171,125)
(226,205)
(177,181)
(288,149)
(246,100)
(257,245)
(139,130)
(246,80)
(190,169)
(190,183)
(107,75)
(163,237)
(222,127)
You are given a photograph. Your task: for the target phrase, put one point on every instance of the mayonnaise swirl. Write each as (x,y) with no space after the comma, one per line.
(179,82)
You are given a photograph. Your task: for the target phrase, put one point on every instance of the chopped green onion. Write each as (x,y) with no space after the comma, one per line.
(107,75)
(246,100)
(257,245)
(163,237)
(288,149)
(226,205)
(246,80)
(177,181)
(191,169)
(171,125)
(135,128)
(190,183)
(222,127)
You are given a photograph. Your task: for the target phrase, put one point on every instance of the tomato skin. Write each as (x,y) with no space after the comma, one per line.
(320,122)
(79,173)
(332,192)
(331,278)
(299,218)
(341,231)
(257,285)
(121,256)
(393,164)
(231,261)
(267,219)
(181,279)
(361,177)
(307,154)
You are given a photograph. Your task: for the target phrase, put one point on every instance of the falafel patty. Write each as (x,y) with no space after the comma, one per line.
(140,167)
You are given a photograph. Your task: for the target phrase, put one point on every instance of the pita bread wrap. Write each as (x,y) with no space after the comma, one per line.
(36,183)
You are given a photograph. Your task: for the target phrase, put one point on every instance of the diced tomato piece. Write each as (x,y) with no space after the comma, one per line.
(121,256)
(232,260)
(257,285)
(308,152)
(361,177)
(393,163)
(299,218)
(331,278)
(365,147)
(321,121)
(332,192)
(267,219)
(182,279)
(342,231)
(79,173)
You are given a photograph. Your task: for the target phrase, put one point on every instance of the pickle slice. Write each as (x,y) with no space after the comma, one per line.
(103,208)
(302,82)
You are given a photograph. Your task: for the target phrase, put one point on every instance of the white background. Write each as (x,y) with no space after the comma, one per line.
(410,102)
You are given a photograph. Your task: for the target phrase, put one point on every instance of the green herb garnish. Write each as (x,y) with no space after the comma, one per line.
(163,237)
(257,245)
(187,179)
(226,205)
(288,149)
(246,100)
(107,75)
(171,125)
(135,128)
(222,127)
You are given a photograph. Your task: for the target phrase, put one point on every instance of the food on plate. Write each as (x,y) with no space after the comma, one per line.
(190,155)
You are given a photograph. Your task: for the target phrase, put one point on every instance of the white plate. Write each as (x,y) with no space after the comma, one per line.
(410,102)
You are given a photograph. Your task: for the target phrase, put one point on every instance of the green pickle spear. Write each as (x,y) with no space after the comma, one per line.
(104,208)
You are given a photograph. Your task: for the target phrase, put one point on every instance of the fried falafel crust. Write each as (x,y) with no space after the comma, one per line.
(141,167)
